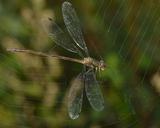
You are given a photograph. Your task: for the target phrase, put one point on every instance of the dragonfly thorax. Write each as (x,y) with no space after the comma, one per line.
(90,62)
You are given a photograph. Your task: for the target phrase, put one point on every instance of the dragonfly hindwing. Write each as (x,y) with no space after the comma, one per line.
(75,96)
(93,91)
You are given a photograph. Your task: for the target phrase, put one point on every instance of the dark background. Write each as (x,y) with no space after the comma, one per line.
(125,33)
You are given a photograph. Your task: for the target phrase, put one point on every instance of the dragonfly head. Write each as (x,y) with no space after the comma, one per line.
(102,65)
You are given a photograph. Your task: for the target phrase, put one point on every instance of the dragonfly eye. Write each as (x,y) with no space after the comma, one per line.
(102,65)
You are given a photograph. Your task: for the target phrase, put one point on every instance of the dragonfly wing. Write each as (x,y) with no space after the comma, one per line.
(93,92)
(75,96)
(58,35)
(73,25)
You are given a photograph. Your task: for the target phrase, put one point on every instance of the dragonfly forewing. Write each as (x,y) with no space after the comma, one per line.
(93,91)
(86,78)
(75,96)
(58,35)
(73,25)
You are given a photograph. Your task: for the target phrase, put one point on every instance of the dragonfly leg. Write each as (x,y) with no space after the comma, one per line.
(90,69)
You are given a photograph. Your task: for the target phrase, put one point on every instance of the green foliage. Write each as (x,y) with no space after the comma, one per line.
(33,90)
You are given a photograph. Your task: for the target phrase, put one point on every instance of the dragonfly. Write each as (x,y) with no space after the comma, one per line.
(86,80)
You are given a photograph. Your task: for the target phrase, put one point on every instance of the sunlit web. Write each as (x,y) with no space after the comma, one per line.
(129,31)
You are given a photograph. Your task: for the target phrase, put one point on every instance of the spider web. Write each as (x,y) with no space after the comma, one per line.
(146,21)
(33,90)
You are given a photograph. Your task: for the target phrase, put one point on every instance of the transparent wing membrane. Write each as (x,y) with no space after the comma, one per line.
(87,78)
(73,25)
(58,35)
(75,96)
(93,92)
